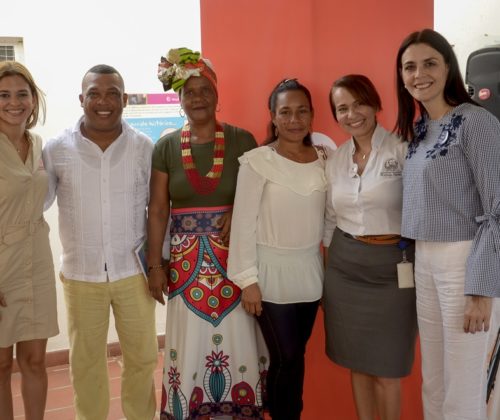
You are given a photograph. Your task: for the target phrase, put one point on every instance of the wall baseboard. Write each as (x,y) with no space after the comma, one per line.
(61,357)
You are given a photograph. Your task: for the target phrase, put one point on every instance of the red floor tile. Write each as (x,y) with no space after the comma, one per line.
(59,397)
(63,413)
(60,393)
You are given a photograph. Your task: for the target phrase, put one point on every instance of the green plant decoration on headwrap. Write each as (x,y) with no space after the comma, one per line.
(180,64)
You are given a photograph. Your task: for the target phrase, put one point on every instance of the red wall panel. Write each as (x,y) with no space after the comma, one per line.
(253,45)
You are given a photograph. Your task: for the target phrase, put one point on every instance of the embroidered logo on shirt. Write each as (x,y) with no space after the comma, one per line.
(391,168)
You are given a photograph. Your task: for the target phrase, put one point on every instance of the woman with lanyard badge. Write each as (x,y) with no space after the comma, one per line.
(369,298)
(211,361)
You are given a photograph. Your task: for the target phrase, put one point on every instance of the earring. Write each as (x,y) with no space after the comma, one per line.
(218,108)
(182,113)
(276,132)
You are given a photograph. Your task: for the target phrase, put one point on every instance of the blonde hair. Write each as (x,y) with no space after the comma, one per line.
(14,68)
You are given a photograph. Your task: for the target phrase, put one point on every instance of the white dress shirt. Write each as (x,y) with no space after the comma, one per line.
(370,203)
(277,226)
(102,199)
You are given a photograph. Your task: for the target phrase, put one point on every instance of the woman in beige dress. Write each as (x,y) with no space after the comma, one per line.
(27,287)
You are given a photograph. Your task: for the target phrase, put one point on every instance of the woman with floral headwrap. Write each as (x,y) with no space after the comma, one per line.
(212,361)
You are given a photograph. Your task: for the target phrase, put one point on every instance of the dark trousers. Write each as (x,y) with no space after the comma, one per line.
(286,329)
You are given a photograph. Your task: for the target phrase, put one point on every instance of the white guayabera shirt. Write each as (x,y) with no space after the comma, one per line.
(102,199)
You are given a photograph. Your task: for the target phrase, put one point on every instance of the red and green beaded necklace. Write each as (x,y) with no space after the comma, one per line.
(203,184)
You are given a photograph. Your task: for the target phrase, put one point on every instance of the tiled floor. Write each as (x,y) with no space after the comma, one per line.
(60,395)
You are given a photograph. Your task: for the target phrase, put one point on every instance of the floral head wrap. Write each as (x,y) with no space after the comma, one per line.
(182,63)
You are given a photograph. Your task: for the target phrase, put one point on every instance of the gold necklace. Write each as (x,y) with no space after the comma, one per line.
(19,146)
(364,155)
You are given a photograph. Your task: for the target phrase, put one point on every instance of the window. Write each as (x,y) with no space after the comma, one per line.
(7,53)
(11,48)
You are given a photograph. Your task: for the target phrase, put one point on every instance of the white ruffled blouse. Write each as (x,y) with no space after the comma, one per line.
(277,226)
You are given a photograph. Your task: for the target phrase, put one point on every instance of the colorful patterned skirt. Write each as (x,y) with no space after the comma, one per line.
(215,360)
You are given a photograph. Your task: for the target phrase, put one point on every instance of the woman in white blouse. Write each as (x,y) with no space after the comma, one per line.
(276,231)
(370,317)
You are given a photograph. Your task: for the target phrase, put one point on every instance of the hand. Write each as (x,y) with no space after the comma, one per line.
(3,303)
(157,282)
(166,270)
(477,314)
(251,299)
(226,227)
(324,253)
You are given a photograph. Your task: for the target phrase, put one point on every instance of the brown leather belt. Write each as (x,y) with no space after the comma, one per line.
(375,239)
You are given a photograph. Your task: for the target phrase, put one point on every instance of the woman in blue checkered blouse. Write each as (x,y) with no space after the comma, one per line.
(451,206)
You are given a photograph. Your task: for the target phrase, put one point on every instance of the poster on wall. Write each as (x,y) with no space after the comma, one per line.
(154,114)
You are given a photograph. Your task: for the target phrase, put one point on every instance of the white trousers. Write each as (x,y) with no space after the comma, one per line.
(454,363)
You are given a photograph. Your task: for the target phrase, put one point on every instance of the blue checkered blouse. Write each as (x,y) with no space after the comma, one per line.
(451,190)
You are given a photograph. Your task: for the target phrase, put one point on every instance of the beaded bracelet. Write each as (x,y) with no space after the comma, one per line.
(154,267)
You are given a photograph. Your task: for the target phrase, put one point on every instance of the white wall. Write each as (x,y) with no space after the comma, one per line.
(468,25)
(63,39)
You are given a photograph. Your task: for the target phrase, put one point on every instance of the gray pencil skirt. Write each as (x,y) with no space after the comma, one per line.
(370,323)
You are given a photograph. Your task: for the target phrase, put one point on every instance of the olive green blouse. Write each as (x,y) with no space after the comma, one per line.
(167,158)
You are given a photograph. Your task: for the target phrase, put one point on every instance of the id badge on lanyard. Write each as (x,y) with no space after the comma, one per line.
(405,268)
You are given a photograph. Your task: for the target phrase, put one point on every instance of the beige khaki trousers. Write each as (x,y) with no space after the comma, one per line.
(88,307)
